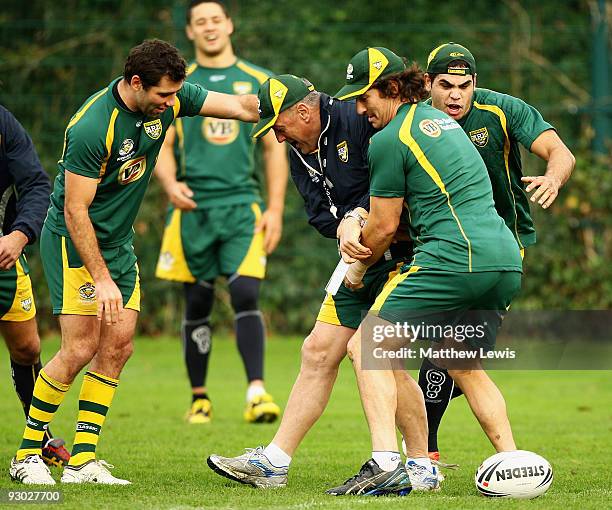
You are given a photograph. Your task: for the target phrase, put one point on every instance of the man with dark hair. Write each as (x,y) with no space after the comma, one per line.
(496,124)
(328,159)
(465,258)
(215,225)
(24,188)
(110,147)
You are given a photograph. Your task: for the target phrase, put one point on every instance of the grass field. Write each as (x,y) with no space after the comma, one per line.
(564,416)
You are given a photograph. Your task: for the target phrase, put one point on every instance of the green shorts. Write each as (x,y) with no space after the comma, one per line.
(202,244)
(348,307)
(424,296)
(16,298)
(71,286)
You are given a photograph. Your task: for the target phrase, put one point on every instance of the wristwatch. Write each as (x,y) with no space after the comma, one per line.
(355,214)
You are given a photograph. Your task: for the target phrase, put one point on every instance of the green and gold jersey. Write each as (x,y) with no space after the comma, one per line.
(216,156)
(118,147)
(496,123)
(425,157)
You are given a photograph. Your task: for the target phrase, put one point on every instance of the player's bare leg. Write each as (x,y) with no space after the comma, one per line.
(322,352)
(378,396)
(22,341)
(410,416)
(488,405)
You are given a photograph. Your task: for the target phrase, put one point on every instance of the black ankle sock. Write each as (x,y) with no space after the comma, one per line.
(197,396)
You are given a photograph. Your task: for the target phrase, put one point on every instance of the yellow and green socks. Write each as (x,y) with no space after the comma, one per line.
(96,396)
(47,397)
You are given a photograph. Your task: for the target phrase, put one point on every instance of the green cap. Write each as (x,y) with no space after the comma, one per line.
(440,58)
(366,67)
(276,95)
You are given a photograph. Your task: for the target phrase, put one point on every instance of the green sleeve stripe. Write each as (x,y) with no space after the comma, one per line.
(406,137)
(260,76)
(496,110)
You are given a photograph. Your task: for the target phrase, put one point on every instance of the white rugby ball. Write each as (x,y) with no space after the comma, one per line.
(518,474)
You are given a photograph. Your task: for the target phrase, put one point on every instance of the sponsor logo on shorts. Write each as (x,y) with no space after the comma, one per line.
(430,128)
(132,170)
(153,128)
(166,261)
(87,292)
(220,131)
(26,304)
(242,87)
(480,137)
(343,152)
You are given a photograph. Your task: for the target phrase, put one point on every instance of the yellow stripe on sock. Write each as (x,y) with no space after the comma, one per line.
(86,437)
(96,391)
(39,415)
(91,417)
(23,453)
(33,434)
(81,458)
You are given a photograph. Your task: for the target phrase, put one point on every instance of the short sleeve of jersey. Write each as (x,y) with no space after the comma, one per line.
(524,121)
(192,97)
(386,158)
(85,150)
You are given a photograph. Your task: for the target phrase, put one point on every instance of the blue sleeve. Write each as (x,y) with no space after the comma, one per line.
(315,203)
(31,181)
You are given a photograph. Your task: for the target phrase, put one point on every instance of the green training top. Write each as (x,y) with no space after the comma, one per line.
(424,156)
(216,156)
(106,141)
(496,123)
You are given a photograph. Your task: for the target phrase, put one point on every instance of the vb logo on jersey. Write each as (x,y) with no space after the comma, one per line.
(430,128)
(153,128)
(479,137)
(87,292)
(343,152)
(220,131)
(132,170)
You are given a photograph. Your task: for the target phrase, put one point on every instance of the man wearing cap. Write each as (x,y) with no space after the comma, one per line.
(328,162)
(496,124)
(465,257)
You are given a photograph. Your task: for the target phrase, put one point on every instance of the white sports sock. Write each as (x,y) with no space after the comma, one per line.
(276,456)
(422,461)
(387,461)
(254,390)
